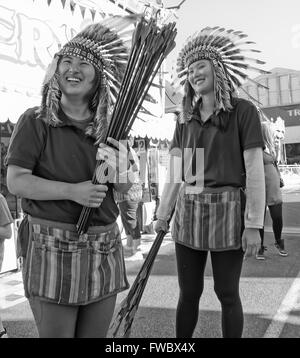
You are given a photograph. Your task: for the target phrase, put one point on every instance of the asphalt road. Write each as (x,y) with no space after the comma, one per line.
(270,293)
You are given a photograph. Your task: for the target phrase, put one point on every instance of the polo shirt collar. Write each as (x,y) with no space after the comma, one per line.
(65,120)
(197,115)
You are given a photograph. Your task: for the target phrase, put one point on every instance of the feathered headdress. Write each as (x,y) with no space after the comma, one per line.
(224,48)
(105,45)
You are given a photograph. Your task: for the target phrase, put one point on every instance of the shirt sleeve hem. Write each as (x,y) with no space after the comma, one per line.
(20,163)
(253,226)
(253,145)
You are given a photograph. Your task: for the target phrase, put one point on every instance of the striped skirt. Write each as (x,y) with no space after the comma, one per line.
(61,267)
(209,220)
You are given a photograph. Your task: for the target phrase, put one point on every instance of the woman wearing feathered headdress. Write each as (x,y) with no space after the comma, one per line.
(72,281)
(217,149)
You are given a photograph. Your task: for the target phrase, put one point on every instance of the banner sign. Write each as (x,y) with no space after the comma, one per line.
(290,114)
(31,32)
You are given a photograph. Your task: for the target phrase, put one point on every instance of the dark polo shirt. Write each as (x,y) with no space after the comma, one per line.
(63,153)
(223,149)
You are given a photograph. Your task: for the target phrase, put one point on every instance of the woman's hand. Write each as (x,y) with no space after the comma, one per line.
(89,194)
(161,225)
(250,242)
(117,159)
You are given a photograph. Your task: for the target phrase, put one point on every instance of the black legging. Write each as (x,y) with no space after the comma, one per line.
(276,216)
(227,267)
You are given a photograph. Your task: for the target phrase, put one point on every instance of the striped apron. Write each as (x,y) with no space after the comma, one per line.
(61,267)
(209,220)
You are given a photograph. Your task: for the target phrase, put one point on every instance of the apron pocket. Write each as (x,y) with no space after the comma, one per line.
(57,274)
(107,273)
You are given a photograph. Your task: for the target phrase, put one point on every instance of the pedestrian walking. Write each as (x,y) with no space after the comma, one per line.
(273,193)
(128,205)
(5,233)
(72,281)
(212,213)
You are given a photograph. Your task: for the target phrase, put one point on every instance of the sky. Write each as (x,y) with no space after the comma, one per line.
(273,25)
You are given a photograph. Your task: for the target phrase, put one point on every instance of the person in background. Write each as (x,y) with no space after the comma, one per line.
(278,129)
(5,233)
(72,280)
(273,192)
(217,148)
(128,205)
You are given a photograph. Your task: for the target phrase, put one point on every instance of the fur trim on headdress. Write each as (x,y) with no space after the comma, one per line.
(105,45)
(223,48)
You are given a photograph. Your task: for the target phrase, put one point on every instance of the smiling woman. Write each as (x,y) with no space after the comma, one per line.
(79,81)
(212,214)
(201,77)
(72,279)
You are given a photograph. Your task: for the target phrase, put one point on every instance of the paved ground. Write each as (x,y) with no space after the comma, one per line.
(270,292)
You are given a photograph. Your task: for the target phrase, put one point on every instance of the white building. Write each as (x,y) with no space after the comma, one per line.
(281,100)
